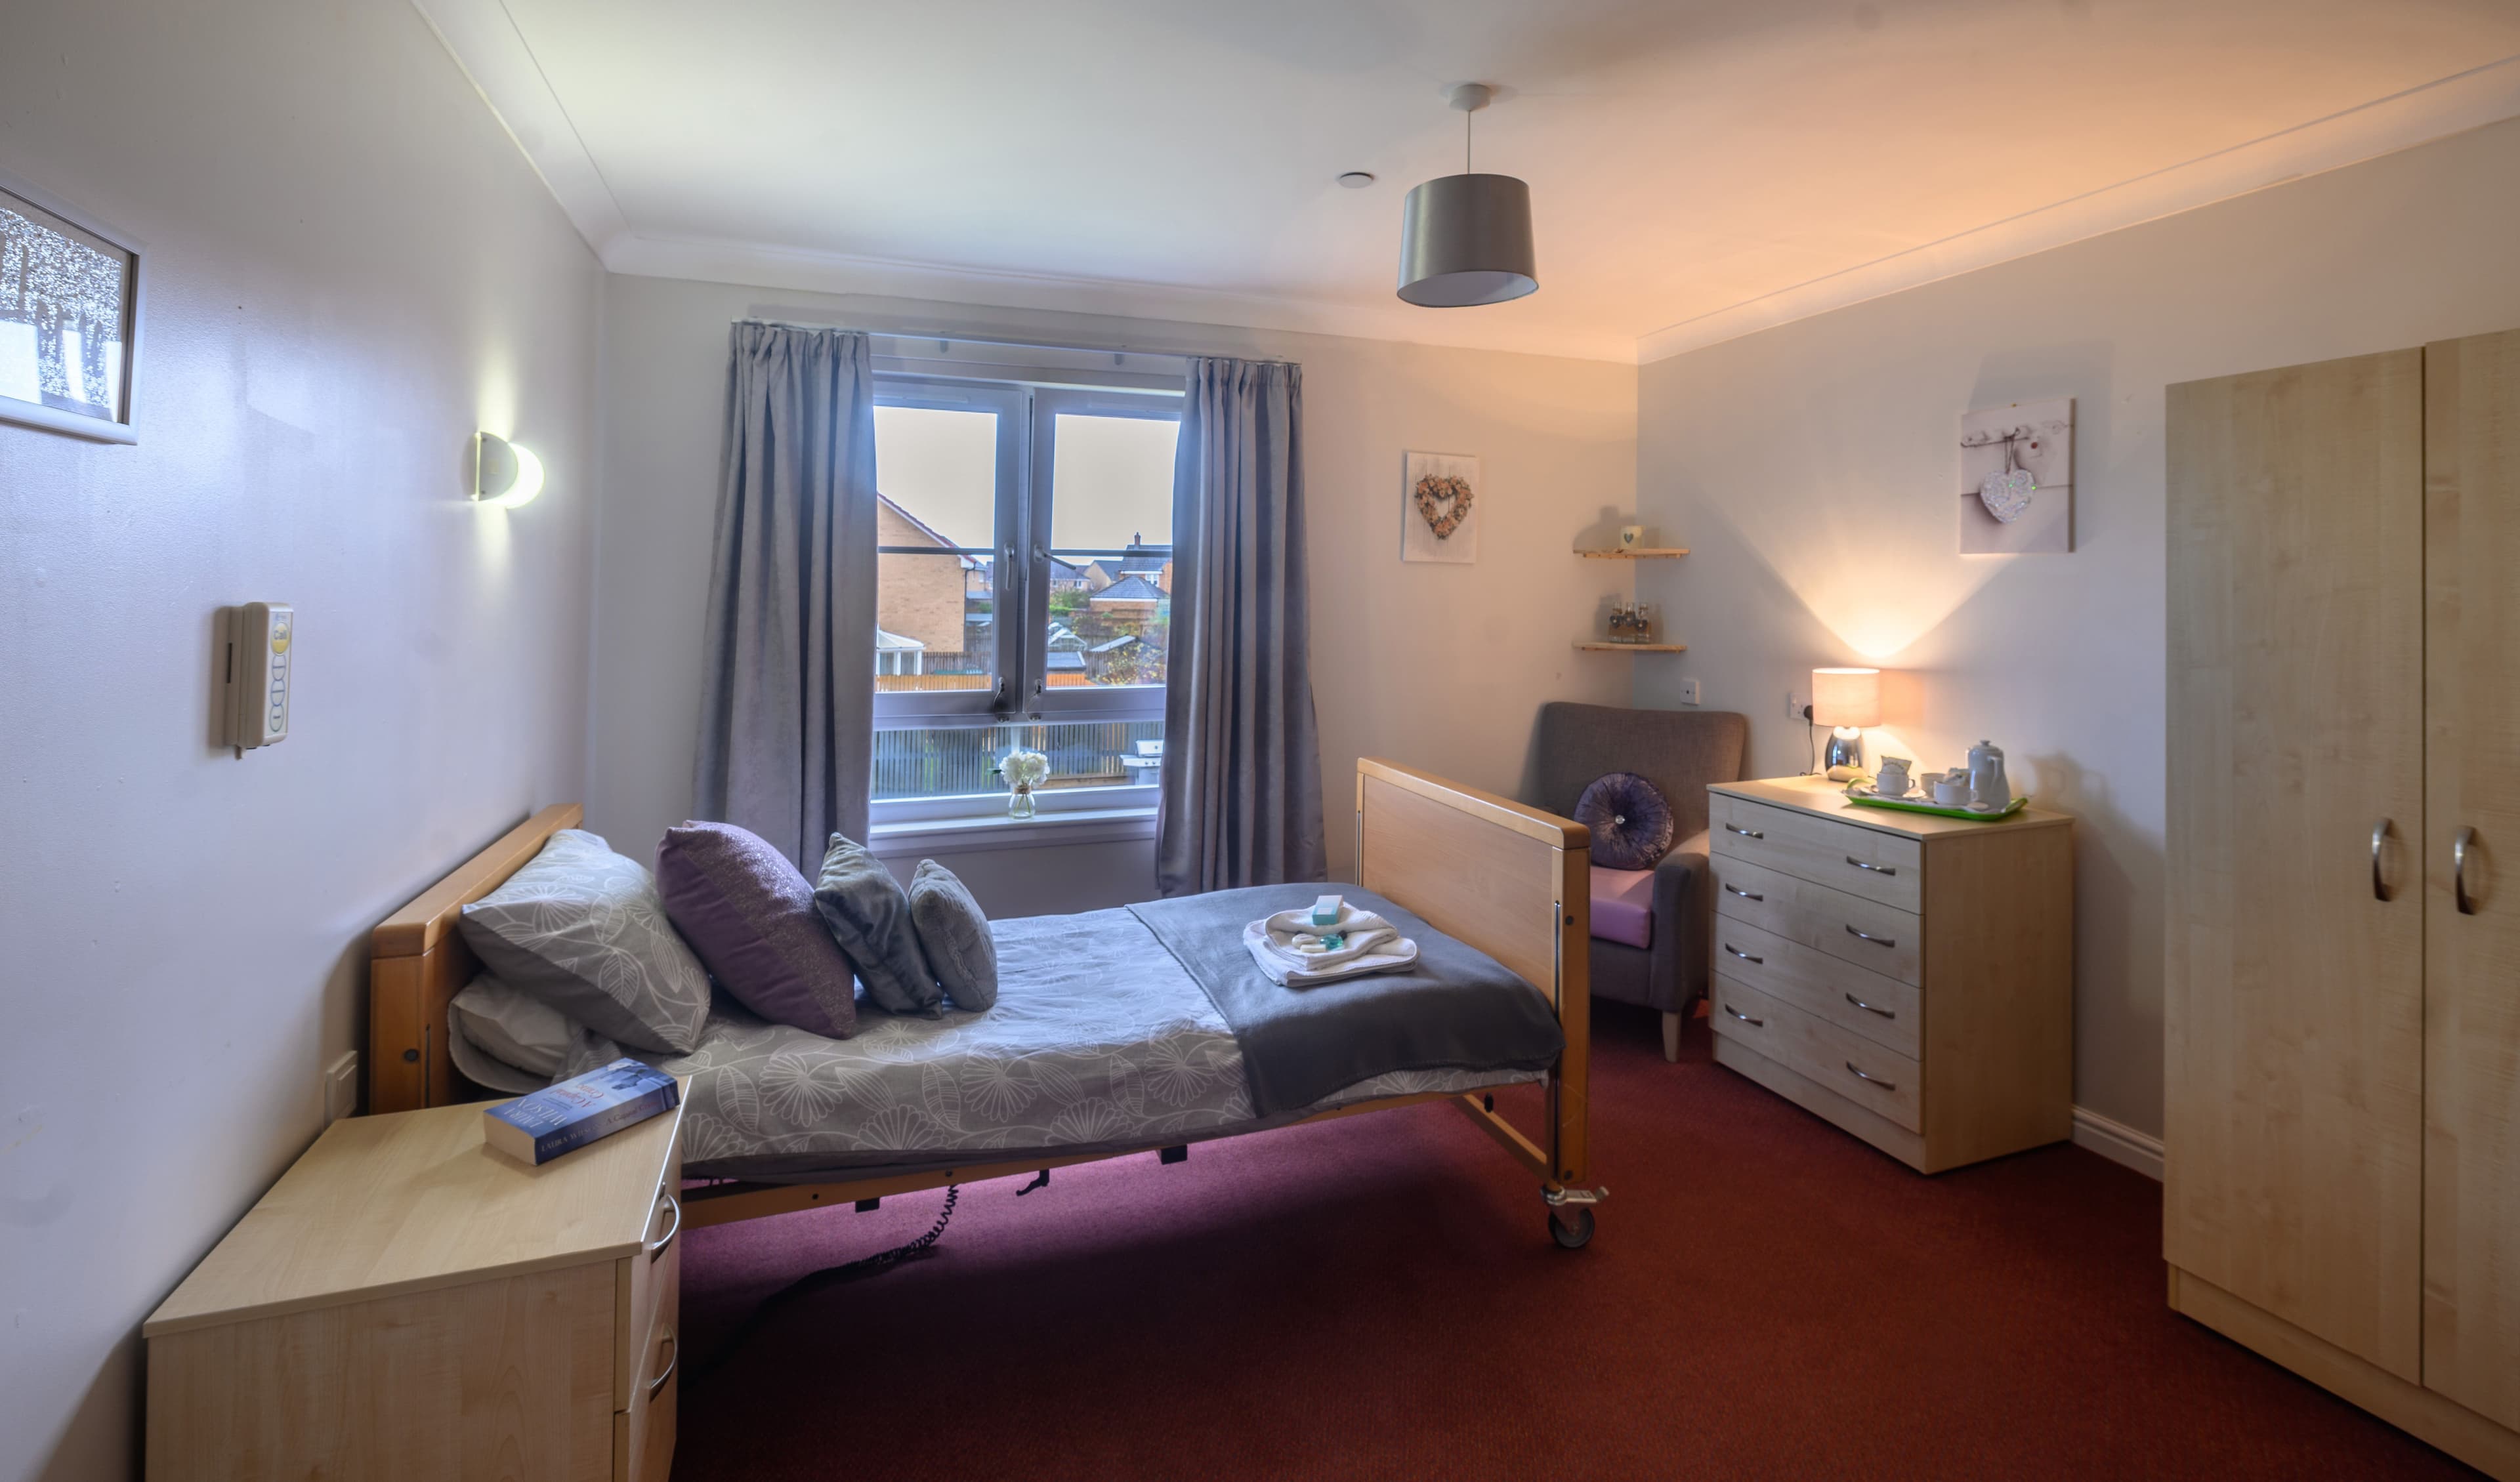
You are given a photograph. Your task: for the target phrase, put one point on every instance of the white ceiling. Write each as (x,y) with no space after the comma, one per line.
(1697,169)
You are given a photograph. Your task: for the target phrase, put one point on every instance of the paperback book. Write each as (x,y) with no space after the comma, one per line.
(580,1110)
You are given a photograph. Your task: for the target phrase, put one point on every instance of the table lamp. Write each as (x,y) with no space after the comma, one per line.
(1846,700)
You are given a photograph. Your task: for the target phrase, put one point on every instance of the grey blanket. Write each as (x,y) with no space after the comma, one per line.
(1454,1008)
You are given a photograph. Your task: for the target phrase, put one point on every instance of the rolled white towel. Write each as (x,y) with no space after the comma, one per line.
(1368,944)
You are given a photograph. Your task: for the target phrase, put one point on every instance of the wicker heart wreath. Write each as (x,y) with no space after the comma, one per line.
(1443,502)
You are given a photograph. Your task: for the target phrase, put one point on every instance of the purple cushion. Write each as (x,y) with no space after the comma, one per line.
(750,917)
(1623,906)
(1631,822)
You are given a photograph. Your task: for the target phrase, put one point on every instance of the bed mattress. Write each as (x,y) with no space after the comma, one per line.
(1076,1056)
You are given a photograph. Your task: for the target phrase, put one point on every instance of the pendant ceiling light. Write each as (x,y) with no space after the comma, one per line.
(1466,239)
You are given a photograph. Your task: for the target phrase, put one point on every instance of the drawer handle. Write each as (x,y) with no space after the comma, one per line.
(1743,956)
(673,1357)
(1747,895)
(656,1252)
(1869,1008)
(1745,1018)
(1875,1079)
(1744,832)
(1875,869)
(1877,941)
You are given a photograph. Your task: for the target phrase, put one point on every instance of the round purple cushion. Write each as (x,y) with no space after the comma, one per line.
(1631,822)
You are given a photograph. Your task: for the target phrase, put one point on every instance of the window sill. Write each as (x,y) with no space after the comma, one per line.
(1075,826)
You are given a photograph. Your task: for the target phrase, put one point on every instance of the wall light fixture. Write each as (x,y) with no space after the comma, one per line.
(504,473)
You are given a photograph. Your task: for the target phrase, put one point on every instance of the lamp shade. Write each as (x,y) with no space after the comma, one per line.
(1467,239)
(1846,697)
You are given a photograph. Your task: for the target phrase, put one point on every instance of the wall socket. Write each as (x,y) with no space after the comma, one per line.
(1689,691)
(1795,705)
(342,1088)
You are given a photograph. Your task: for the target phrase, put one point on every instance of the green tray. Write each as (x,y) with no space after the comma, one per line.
(1868,800)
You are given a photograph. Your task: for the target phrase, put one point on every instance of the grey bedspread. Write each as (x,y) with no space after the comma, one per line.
(1454,1008)
(1099,1041)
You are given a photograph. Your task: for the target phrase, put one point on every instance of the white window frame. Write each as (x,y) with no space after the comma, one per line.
(1020,577)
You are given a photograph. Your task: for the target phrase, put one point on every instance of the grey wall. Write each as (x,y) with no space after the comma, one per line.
(1813,470)
(350,269)
(1442,666)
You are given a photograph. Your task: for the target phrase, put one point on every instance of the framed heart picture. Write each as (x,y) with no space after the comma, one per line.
(2017,479)
(1440,496)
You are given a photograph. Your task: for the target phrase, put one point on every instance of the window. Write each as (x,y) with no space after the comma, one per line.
(1023,584)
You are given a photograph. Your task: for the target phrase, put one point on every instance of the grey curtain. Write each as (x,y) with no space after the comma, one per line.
(788,700)
(1241,792)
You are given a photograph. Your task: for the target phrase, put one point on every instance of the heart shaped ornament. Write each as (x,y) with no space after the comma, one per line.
(1443,502)
(2007,495)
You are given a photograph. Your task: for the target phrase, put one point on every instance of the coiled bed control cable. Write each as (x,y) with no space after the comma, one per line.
(829,1276)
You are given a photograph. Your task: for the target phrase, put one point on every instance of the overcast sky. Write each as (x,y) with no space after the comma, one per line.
(1114,475)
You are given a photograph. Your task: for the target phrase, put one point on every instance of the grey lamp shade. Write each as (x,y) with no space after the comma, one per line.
(1466,239)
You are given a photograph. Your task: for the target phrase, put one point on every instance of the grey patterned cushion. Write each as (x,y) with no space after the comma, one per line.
(869,914)
(581,928)
(955,935)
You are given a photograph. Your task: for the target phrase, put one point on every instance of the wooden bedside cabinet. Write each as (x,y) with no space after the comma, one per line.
(406,1303)
(1908,977)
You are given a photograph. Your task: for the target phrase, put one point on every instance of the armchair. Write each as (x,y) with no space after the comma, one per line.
(1681,752)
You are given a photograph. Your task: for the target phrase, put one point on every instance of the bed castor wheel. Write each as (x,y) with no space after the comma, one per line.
(1571,1227)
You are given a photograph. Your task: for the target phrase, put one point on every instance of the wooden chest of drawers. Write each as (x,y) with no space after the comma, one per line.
(1908,977)
(408,1304)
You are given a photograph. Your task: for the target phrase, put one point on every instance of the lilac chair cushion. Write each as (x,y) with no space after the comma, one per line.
(750,915)
(1623,906)
(1631,822)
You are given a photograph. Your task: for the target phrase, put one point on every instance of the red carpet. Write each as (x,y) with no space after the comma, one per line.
(1377,1297)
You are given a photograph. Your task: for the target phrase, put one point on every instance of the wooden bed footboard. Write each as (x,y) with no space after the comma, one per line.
(1514,882)
(1507,878)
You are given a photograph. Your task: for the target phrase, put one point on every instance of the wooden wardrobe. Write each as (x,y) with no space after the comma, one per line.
(2343,982)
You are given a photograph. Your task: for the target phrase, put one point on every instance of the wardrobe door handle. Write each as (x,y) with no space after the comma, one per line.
(1877,941)
(1869,1008)
(2379,836)
(1744,832)
(1743,956)
(1745,1018)
(2458,869)
(1745,895)
(1876,1080)
(1875,869)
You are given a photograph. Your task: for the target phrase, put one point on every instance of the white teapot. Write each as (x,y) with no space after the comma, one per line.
(1989,788)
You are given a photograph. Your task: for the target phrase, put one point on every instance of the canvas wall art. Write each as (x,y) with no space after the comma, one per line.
(2017,479)
(1439,506)
(69,318)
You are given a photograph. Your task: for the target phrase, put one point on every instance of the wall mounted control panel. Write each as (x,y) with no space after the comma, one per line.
(262,637)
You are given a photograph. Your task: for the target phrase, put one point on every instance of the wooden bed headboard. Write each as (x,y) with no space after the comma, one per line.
(417,962)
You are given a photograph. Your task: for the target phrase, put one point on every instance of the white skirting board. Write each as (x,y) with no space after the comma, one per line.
(2118,1143)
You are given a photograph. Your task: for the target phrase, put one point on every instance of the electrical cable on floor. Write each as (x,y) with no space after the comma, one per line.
(829,1276)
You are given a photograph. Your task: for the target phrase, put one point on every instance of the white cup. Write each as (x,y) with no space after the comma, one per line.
(1631,537)
(1891,780)
(1951,794)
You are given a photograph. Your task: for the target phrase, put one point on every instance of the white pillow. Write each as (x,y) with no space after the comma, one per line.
(510,1025)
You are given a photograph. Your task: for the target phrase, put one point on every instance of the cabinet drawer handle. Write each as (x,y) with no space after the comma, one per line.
(1876,1080)
(2458,847)
(673,1357)
(1743,956)
(1747,895)
(656,1252)
(1877,941)
(1744,832)
(1745,1018)
(1875,869)
(1869,1008)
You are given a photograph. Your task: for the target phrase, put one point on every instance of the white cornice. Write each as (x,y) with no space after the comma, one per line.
(483,37)
(2468,99)
(650,255)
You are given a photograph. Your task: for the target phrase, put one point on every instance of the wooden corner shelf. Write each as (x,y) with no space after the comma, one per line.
(1639,553)
(1611,648)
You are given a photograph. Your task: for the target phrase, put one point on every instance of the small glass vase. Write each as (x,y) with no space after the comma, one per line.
(1019,802)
